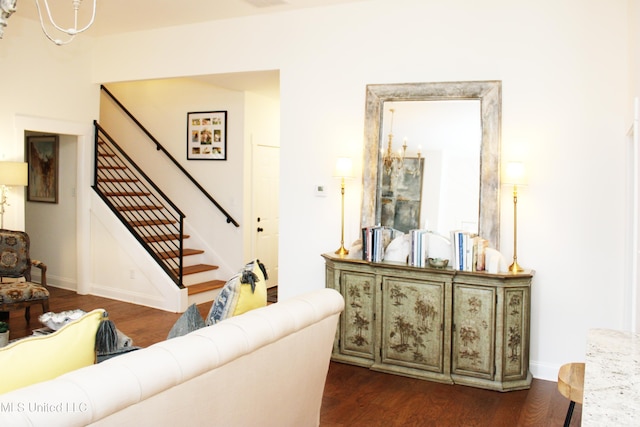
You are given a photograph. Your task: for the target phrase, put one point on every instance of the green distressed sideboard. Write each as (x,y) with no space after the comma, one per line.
(455,327)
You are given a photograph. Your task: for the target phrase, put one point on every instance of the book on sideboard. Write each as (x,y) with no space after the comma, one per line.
(374,240)
(419,248)
(468,251)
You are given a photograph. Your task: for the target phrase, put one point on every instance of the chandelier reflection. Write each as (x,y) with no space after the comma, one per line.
(393,162)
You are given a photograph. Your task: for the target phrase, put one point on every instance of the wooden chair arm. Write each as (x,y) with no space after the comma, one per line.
(43,270)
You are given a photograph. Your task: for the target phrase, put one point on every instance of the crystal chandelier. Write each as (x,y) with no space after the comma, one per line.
(70,32)
(392,161)
(395,162)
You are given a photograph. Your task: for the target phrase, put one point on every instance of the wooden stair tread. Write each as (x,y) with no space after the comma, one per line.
(148,222)
(125,193)
(138,208)
(205,286)
(174,254)
(197,268)
(163,237)
(118,180)
(111,167)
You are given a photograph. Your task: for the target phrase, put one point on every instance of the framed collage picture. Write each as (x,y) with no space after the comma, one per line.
(42,157)
(207,135)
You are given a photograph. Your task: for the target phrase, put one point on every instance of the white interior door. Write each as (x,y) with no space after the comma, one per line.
(266,187)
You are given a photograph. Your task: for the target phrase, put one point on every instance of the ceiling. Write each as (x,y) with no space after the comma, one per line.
(122,16)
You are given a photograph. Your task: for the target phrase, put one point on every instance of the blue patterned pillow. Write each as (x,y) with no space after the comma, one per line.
(190,321)
(225,303)
(245,291)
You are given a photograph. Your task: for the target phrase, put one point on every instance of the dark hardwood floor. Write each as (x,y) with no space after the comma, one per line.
(353,396)
(144,325)
(356,396)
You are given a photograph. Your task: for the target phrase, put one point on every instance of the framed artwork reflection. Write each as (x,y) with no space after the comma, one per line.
(43,159)
(207,135)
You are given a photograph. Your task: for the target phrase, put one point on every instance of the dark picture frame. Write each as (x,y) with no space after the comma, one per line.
(43,160)
(207,135)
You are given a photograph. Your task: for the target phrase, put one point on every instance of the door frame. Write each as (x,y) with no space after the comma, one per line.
(84,139)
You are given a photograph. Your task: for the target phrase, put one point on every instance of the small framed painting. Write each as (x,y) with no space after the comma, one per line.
(207,135)
(42,157)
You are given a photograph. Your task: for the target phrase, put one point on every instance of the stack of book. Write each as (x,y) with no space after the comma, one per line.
(419,246)
(374,241)
(468,251)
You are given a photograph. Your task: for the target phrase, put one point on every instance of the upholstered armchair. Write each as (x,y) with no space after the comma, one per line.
(16,289)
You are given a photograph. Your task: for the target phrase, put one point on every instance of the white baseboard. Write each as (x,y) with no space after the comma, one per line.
(542,371)
(56,281)
(133,297)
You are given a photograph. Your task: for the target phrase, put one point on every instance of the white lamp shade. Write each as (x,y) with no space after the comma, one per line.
(14,173)
(515,174)
(344,167)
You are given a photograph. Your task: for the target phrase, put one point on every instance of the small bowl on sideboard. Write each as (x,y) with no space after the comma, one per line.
(438,262)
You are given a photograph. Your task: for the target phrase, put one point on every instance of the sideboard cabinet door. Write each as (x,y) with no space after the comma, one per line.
(412,327)
(490,337)
(474,319)
(357,328)
(516,334)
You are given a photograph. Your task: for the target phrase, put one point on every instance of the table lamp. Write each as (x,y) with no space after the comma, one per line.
(11,174)
(515,176)
(343,170)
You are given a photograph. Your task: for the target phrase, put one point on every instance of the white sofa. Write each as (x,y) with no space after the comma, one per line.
(266,367)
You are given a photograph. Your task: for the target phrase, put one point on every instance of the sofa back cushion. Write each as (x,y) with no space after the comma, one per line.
(267,366)
(40,358)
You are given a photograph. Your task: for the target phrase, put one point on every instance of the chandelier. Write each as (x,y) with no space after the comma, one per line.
(8,7)
(70,32)
(394,162)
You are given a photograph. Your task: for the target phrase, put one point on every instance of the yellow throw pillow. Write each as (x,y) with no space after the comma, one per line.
(41,358)
(250,299)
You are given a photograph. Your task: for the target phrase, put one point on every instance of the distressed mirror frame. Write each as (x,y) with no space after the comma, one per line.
(490,95)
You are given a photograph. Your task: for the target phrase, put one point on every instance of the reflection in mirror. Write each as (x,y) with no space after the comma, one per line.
(485,95)
(437,185)
(401,194)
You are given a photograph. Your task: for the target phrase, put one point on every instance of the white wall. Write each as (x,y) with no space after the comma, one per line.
(48,89)
(566,108)
(634,49)
(40,79)
(632,295)
(52,226)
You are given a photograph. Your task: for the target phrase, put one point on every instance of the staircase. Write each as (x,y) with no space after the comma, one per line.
(152,218)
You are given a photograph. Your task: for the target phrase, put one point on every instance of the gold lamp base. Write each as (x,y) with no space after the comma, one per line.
(342,251)
(515,267)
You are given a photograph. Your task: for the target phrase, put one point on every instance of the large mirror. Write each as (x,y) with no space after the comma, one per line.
(470,110)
